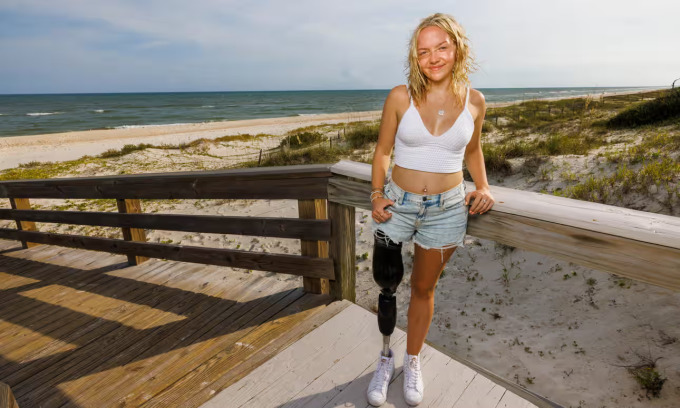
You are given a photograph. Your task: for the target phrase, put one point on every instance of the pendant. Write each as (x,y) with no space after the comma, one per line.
(441,112)
(425,190)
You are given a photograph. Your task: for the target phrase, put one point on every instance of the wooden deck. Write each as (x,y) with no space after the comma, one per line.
(333,365)
(83,329)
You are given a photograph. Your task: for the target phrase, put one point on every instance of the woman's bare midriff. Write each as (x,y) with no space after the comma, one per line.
(415,181)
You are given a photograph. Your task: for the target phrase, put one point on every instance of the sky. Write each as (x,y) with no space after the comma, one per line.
(81,46)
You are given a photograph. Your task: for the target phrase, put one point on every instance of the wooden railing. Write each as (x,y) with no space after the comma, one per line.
(629,243)
(307,184)
(634,244)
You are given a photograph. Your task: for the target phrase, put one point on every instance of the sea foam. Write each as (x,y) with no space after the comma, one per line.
(42,113)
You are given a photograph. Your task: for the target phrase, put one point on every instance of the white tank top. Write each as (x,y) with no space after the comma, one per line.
(417,149)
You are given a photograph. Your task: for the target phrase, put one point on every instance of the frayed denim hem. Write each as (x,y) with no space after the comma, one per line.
(442,248)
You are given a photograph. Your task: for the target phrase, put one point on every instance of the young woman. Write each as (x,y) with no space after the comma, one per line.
(433,124)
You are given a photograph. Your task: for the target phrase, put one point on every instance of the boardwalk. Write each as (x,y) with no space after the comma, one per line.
(82,329)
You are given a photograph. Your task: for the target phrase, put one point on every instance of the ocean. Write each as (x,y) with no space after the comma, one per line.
(39,114)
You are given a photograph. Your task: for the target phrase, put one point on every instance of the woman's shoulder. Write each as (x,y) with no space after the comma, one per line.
(399,94)
(477,99)
(398,100)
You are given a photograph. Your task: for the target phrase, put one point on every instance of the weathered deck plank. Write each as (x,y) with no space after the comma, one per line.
(332,366)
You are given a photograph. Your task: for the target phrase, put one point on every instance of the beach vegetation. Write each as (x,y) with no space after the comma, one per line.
(362,134)
(298,139)
(127,149)
(30,164)
(663,107)
(663,172)
(586,112)
(44,170)
(646,375)
(318,154)
(200,143)
(241,137)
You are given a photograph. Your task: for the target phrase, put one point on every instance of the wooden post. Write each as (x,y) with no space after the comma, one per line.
(259,160)
(6,398)
(314,209)
(342,250)
(23,204)
(132,234)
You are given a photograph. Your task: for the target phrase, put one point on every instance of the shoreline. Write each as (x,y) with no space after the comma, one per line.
(50,147)
(65,146)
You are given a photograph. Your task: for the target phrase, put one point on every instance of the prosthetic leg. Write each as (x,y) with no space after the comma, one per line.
(388,271)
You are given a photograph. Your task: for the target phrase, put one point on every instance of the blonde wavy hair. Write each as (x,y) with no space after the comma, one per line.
(465,64)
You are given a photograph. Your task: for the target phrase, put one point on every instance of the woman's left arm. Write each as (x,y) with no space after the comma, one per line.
(474,158)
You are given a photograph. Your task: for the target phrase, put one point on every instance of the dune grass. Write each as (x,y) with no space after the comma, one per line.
(297,139)
(656,110)
(361,135)
(314,155)
(44,170)
(545,115)
(662,173)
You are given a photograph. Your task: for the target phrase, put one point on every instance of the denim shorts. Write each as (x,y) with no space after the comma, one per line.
(435,221)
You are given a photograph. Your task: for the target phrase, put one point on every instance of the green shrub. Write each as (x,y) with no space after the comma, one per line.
(301,139)
(320,154)
(559,144)
(662,108)
(127,149)
(649,379)
(496,159)
(362,134)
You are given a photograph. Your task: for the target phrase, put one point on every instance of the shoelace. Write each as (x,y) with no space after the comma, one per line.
(383,369)
(414,372)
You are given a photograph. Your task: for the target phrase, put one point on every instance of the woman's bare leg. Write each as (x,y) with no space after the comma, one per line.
(427,267)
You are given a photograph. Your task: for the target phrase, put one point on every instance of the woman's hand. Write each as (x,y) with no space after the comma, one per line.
(483,201)
(379,213)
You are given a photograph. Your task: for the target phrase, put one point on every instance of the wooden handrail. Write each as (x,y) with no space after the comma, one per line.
(288,182)
(635,244)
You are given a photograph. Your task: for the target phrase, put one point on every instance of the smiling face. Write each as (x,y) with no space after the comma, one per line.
(439,52)
(436,53)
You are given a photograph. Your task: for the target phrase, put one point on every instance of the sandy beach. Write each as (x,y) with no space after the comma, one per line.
(561,330)
(72,145)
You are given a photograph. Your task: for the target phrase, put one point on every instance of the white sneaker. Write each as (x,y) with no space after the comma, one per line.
(413,379)
(377,389)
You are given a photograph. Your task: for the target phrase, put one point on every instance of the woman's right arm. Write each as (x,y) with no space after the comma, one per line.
(386,135)
(383,150)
